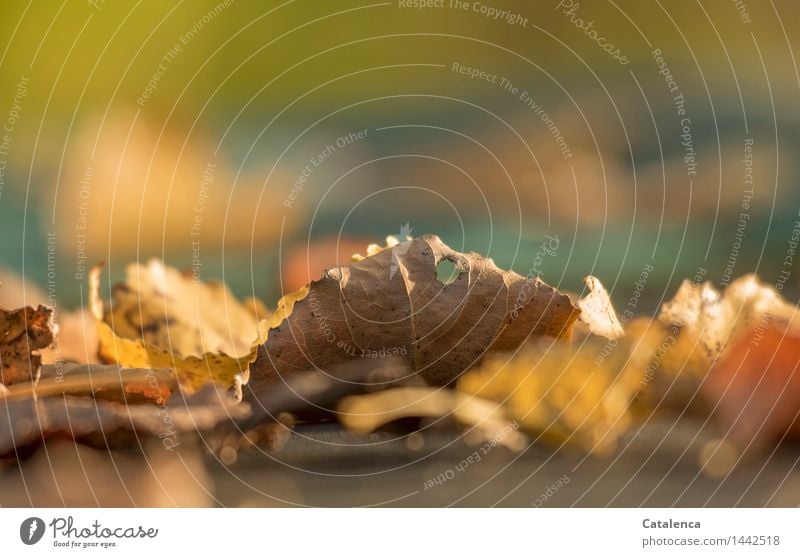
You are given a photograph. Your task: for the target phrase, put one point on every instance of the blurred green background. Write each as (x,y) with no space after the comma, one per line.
(225,135)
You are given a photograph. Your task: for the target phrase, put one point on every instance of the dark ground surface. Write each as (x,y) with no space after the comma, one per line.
(323,465)
(656,467)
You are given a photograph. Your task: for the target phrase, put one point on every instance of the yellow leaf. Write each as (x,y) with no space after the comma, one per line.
(562,393)
(159,319)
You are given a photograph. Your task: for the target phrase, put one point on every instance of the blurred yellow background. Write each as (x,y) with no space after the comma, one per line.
(234,136)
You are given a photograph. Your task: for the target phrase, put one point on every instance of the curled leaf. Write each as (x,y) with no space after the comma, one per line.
(392,304)
(160,318)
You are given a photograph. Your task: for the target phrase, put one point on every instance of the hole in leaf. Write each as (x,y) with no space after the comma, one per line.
(446,271)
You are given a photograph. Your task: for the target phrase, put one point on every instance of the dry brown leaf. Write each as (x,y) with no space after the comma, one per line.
(392,304)
(24,332)
(161,318)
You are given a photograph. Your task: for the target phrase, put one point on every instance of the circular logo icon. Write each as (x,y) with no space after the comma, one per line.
(31,530)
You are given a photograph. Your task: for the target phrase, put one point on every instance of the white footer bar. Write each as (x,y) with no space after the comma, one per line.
(389,532)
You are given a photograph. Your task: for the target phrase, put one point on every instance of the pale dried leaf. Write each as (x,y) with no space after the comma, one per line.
(597,312)
(170,309)
(714,319)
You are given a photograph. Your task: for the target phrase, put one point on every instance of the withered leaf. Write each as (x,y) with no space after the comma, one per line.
(161,318)
(562,393)
(716,318)
(391,304)
(27,422)
(24,332)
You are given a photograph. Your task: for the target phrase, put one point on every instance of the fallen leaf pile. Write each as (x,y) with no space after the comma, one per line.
(384,338)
